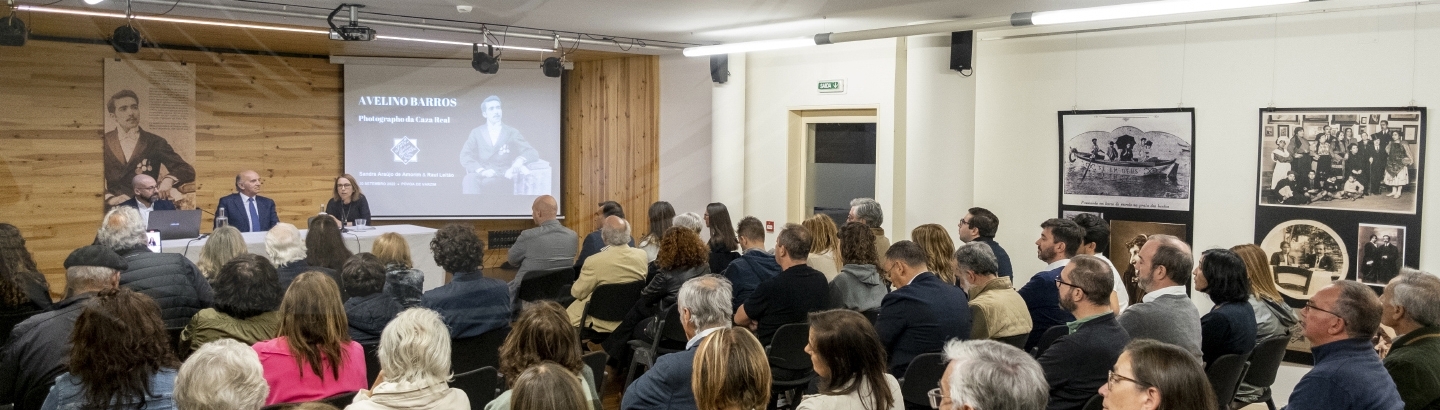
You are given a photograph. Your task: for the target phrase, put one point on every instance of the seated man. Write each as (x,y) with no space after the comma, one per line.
(790,296)
(39,347)
(984,373)
(1078,363)
(1339,321)
(704,304)
(1163,270)
(494,154)
(549,245)
(617,263)
(245,209)
(997,310)
(922,313)
(593,243)
(175,283)
(1414,360)
(1059,240)
(471,303)
(754,265)
(147,198)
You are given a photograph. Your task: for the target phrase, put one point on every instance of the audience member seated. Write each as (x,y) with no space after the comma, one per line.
(549,245)
(1059,238)
(222,375)
(858,287)
(1273,318)
(39,347)
(415,362)
(391,249)
(689,220)
(980,225)
(313,357)
(403,282)
(1075,364)
(985,374)
(324,247)
(542,334)
(616,263)
(1339,321)
(922,313)
(681,258)
(825,252)
(790,296)
(23,290)
(1229,327)
(1096,242)
(868,212)
(754,265)
(223,244)
(939,250)
(731,372)
(704,304)
(369,309)
(724,245)
(1152,375)
(347,203)
(594,243)
(169,278)
(247,297)
(1414,361)
(996,308)
(286,249)
(547,386)
(847,355)
(662,215)
(471,303)
(121,357)
(1167,314)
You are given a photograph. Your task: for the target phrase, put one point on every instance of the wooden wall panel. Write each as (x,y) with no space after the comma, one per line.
(611,136)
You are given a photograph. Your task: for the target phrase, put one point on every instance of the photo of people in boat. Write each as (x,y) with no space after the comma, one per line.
(1305,255)
(1380,254)
(1128,159)
(1367,160)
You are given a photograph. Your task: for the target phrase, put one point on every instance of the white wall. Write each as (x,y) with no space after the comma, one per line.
(685,128)
(939,137)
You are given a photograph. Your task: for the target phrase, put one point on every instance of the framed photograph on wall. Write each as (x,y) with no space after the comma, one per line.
(1412,132)
(1140,159)
(1284,131)
(1380,253)
(1405,117)
(1341,165)
(1284,118)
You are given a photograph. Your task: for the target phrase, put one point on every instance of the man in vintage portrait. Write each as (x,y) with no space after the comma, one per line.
(131,151)
(1382,133)
(1113,154)
(494,154)
(1369,257)
(1389,263)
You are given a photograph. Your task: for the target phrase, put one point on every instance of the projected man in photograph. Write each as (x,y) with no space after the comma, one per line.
(495,154)
(130,150)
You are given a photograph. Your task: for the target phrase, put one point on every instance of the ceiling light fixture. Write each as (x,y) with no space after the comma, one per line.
(748,46)
(93,2)
(1147,9)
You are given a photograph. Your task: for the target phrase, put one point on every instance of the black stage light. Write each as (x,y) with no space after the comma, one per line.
(12,31)
(552,67)
(485,62)
(126,40)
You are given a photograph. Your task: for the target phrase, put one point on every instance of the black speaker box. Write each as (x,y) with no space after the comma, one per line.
(552,67)
(126,40)
(962,43)
(13,32)
(720,68)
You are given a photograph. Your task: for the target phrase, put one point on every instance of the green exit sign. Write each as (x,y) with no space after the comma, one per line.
(830,86)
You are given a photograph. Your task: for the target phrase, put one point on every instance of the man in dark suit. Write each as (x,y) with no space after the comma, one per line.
(494,154)
(704,304)
(131,151)
(246,209)
(1078,363)
(147,198)
(922,313)
(1059,240)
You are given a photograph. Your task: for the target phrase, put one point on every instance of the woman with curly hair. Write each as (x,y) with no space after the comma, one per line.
(824,245)
(542,334)
(859,287)
(324,247)
(313,357)
(1132,286)
(682,257)
(247,294)
(939,250)
(120,357)
(731,372)
(471,303)
(22,287)
(224,244)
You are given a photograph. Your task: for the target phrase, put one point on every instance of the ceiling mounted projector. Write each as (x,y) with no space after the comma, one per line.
(485,62)
(552,67)
(352,31)
(12,31)
(126,40)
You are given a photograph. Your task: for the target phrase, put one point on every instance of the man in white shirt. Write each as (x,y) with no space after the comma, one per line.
(1167,314)
(1095,242)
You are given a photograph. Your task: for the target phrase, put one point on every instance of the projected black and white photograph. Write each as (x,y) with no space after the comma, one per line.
(1380,253)
(1128,158)
(1352,159)
(1305,255)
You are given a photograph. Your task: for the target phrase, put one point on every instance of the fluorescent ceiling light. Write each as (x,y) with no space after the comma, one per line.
(461,43)
(749,46)
(1148,9)
(93,1)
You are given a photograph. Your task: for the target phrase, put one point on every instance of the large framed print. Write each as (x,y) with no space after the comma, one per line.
(1137,159)
(1331,160)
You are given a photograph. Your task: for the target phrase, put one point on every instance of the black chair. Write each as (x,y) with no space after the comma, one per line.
(480,385)
(1264,364)
(475,352)
(596,362)
(1017,340)
(544,284)
(35,397)
(8,322)
(372,362)
(790,366)
(1303,287)
(1096,403)
(1049,337)
(670,333)
(608,302)
(872,315)
(922,376)
(1225,374)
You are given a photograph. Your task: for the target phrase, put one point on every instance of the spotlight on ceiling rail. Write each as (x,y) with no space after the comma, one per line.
(352,31)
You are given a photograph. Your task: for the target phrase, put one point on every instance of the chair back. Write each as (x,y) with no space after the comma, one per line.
(596,362)
(1265,361)
(922,375)
(1017,340)
(475,352)
(873,315)
(787,348)
(372,362)
(671,329)
(480,385)
(1049,337)
(611,301)
(8,322)
(1096,403)
(1225,374)
(1303,287)
(544,284)
(340,400)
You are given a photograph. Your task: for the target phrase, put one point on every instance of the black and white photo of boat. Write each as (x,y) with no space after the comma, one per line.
(1127,159)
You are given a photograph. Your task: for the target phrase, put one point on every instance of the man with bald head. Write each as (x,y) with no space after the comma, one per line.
(549,245)
(147,197)
(617,263)
(246,209)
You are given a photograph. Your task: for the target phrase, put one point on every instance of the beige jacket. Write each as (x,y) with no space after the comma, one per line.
(389,395)
(614,264)
(997,310)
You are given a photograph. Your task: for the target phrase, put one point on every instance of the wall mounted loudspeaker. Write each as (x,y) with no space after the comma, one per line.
(485,62)
(126,40)
(12,31)
(552,67)
(720,68)
(961,45)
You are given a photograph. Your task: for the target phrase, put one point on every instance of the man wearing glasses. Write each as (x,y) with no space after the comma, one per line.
(1339,322)
(1076,364)
(981,225)
(147,198)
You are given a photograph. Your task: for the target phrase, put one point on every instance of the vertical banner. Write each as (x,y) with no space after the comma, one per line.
(149,110)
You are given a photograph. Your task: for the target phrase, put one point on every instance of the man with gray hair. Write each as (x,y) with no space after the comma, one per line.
(1163,269)
(618,262)
(39,347)
(868,212)
(1339,321)
(175,283)
(224,374)
(1409,306)
(704,304)
(996,310)
(985,374)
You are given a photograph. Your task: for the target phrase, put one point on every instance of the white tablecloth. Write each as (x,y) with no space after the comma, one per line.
(417,236)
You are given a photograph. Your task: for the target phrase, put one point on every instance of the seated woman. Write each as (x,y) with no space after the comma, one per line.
(1229,327)
(850,360)
(247,295)
(224,244)
(859,286)
(547,386)
(120,356)
(1152,375)
(402,281)
(682,257)
(348,204)
(369,309)
(17,265)
(324,247)
(662,215)
(313,357)
(415,362)
(542,334)
(825,247)
(222,375)
(731,372)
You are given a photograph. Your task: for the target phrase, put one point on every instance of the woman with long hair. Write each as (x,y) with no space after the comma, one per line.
(662,215)
(850,360)
(724,245)
(22,287)
(247,295)
(120,357)
(547,386)
(1229,327)
(415,359)
(939,250)
(1151,375)
(859,286)
(348,204)
(730,372)
(1273,318)
(224,244)
(392,250)
(324,247)
(824,245)
(313,357)
(541,334)
(1130,276)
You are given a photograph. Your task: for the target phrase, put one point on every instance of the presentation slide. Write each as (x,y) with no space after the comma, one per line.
(446,142)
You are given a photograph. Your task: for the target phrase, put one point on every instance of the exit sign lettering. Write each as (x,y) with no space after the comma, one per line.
(830,86)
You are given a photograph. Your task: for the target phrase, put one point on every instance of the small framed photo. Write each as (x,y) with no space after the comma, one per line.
(1412,132)
(1284,131)
(1270,131)
(1364,120)
(1374,118)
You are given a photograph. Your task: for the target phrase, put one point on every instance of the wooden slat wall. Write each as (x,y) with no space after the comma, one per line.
(282,117)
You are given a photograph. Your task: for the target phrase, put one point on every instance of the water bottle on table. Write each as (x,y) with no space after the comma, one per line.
(221,219)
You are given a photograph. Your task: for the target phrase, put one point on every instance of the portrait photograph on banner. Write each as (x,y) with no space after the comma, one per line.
(1305,255)
(1126,239)
(1364,159)
(149,134)
(1139,159)
(1380,254)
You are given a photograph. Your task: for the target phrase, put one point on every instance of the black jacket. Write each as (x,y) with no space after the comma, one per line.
(665,287)
(175,283)
(39,349)
(369,314)
(289,271)
(1077,364)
